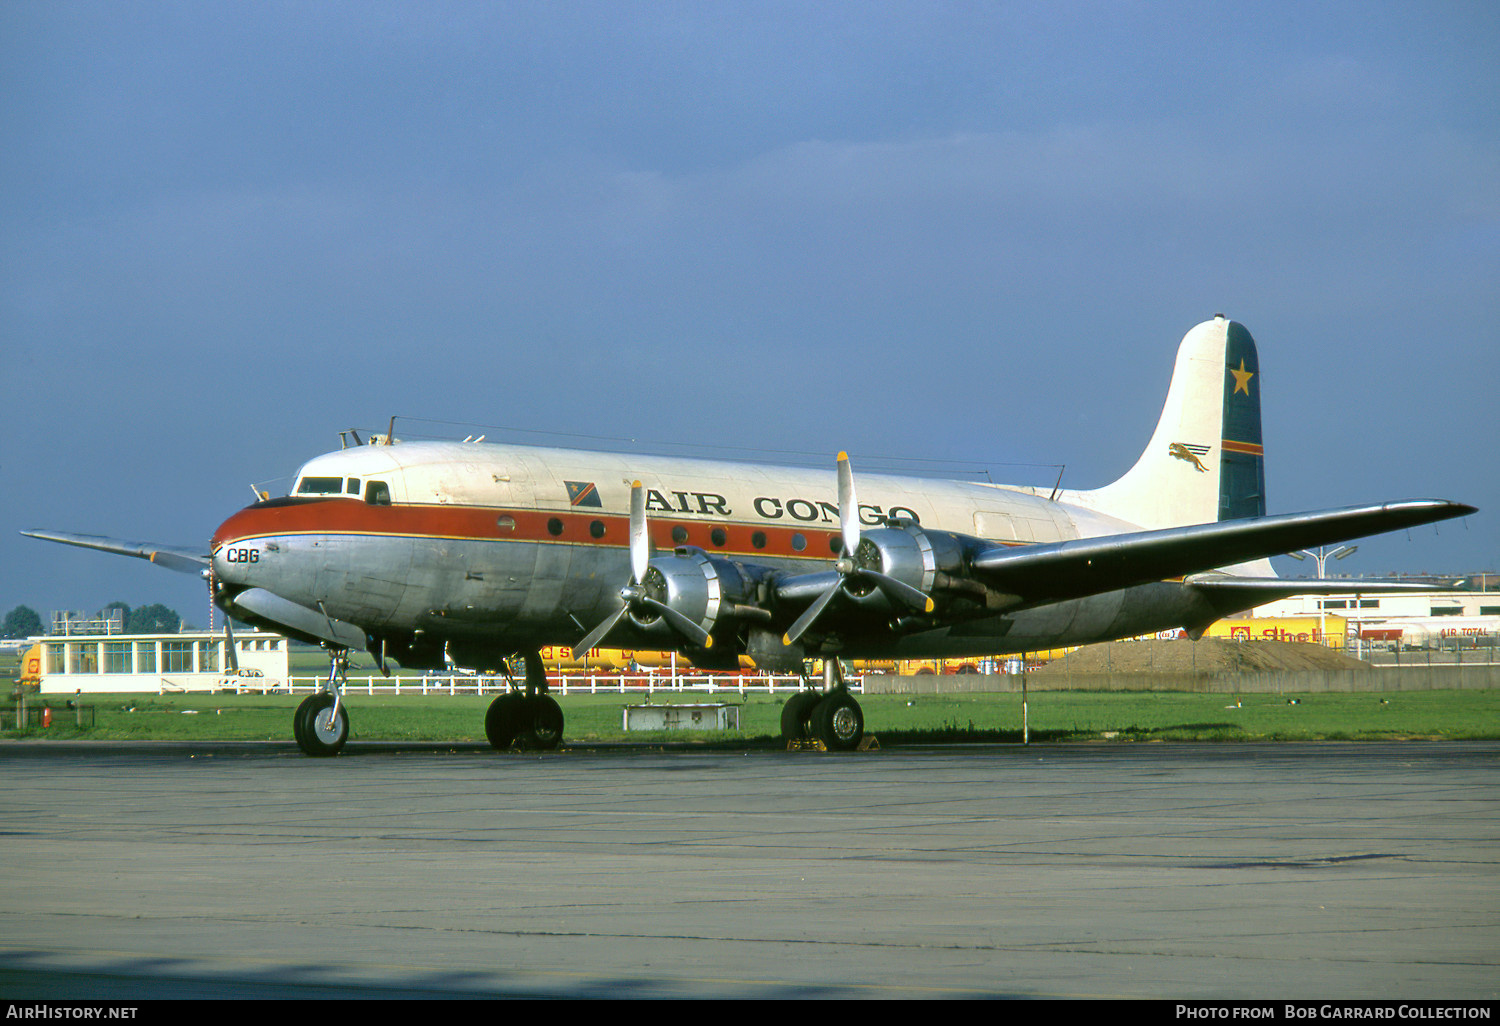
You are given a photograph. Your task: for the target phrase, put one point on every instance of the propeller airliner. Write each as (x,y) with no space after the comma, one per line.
(477,554)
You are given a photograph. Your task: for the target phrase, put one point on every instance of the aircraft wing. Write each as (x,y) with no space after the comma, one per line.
(1052,572)
(181,560)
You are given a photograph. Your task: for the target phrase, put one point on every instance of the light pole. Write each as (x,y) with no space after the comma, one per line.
(1322,557)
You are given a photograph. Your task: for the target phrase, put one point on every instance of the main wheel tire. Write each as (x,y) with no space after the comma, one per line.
(503,722)
(542,718)
(796,715)
(298,719)
(318,734)
(839,722)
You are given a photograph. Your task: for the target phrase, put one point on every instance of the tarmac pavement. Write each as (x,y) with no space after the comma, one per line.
(1184,872)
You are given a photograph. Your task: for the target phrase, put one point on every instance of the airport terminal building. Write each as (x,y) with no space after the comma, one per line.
(190,661)
(1413,620)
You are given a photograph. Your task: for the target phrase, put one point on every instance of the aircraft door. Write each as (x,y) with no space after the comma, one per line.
(500,577)
(549,562)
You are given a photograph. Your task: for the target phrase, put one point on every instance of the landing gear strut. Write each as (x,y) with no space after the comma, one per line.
(320,725)
(531,717)
(832,716)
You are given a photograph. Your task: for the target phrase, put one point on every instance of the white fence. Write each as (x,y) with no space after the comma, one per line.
(565,684)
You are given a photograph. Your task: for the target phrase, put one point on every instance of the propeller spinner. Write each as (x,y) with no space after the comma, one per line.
(634,595)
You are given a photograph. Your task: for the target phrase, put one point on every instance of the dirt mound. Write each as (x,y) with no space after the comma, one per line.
(1208,657)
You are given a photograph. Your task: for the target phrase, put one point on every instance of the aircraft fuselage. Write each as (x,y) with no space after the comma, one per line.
(498,549)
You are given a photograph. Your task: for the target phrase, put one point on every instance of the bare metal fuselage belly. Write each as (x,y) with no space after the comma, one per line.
(521,594)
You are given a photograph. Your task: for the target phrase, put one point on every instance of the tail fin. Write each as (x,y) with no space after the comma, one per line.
(1205,461)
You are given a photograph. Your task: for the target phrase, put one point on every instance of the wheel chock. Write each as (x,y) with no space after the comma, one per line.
(869,743)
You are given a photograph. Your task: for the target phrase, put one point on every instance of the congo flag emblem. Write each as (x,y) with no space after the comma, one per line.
(583,493)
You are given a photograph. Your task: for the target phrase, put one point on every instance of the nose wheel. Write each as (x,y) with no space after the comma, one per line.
(319,727)
(321,724)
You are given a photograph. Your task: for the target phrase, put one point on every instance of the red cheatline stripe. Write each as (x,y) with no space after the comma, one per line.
(1245,447)
(497,524)
(353,517)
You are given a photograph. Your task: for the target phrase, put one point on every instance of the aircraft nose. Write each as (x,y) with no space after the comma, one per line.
(236,552)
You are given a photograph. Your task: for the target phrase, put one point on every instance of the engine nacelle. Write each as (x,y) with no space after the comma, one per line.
(922,559)
(695,584)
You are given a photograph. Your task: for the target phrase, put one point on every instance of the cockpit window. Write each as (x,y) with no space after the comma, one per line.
(377,493)
(321,486)
(352,487)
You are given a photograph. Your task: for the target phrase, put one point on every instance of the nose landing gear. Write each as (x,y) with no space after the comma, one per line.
(320,725)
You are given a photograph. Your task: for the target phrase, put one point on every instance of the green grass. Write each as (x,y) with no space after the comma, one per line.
(894,719)
(1179,716)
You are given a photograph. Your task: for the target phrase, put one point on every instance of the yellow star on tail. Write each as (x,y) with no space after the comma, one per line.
(1242,378)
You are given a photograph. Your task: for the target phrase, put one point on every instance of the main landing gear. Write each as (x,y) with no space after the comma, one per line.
(831,716)
(531,717)
(320,725)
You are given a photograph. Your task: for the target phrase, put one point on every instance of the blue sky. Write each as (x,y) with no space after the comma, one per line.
(966,232)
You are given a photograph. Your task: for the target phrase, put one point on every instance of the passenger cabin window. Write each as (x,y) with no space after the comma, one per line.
(320,486)
(377,493)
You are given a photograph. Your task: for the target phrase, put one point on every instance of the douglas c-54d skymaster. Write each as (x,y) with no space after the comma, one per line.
(475,554)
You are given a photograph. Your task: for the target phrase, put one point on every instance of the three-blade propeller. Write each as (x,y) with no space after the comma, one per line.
(634,596)
(849,571)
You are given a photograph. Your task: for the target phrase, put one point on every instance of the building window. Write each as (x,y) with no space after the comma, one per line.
(145,656)
(1447,611)
(176,657)
(83,657)
(117,657)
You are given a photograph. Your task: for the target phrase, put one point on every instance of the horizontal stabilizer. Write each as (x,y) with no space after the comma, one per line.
(181,560)
(1090,566)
